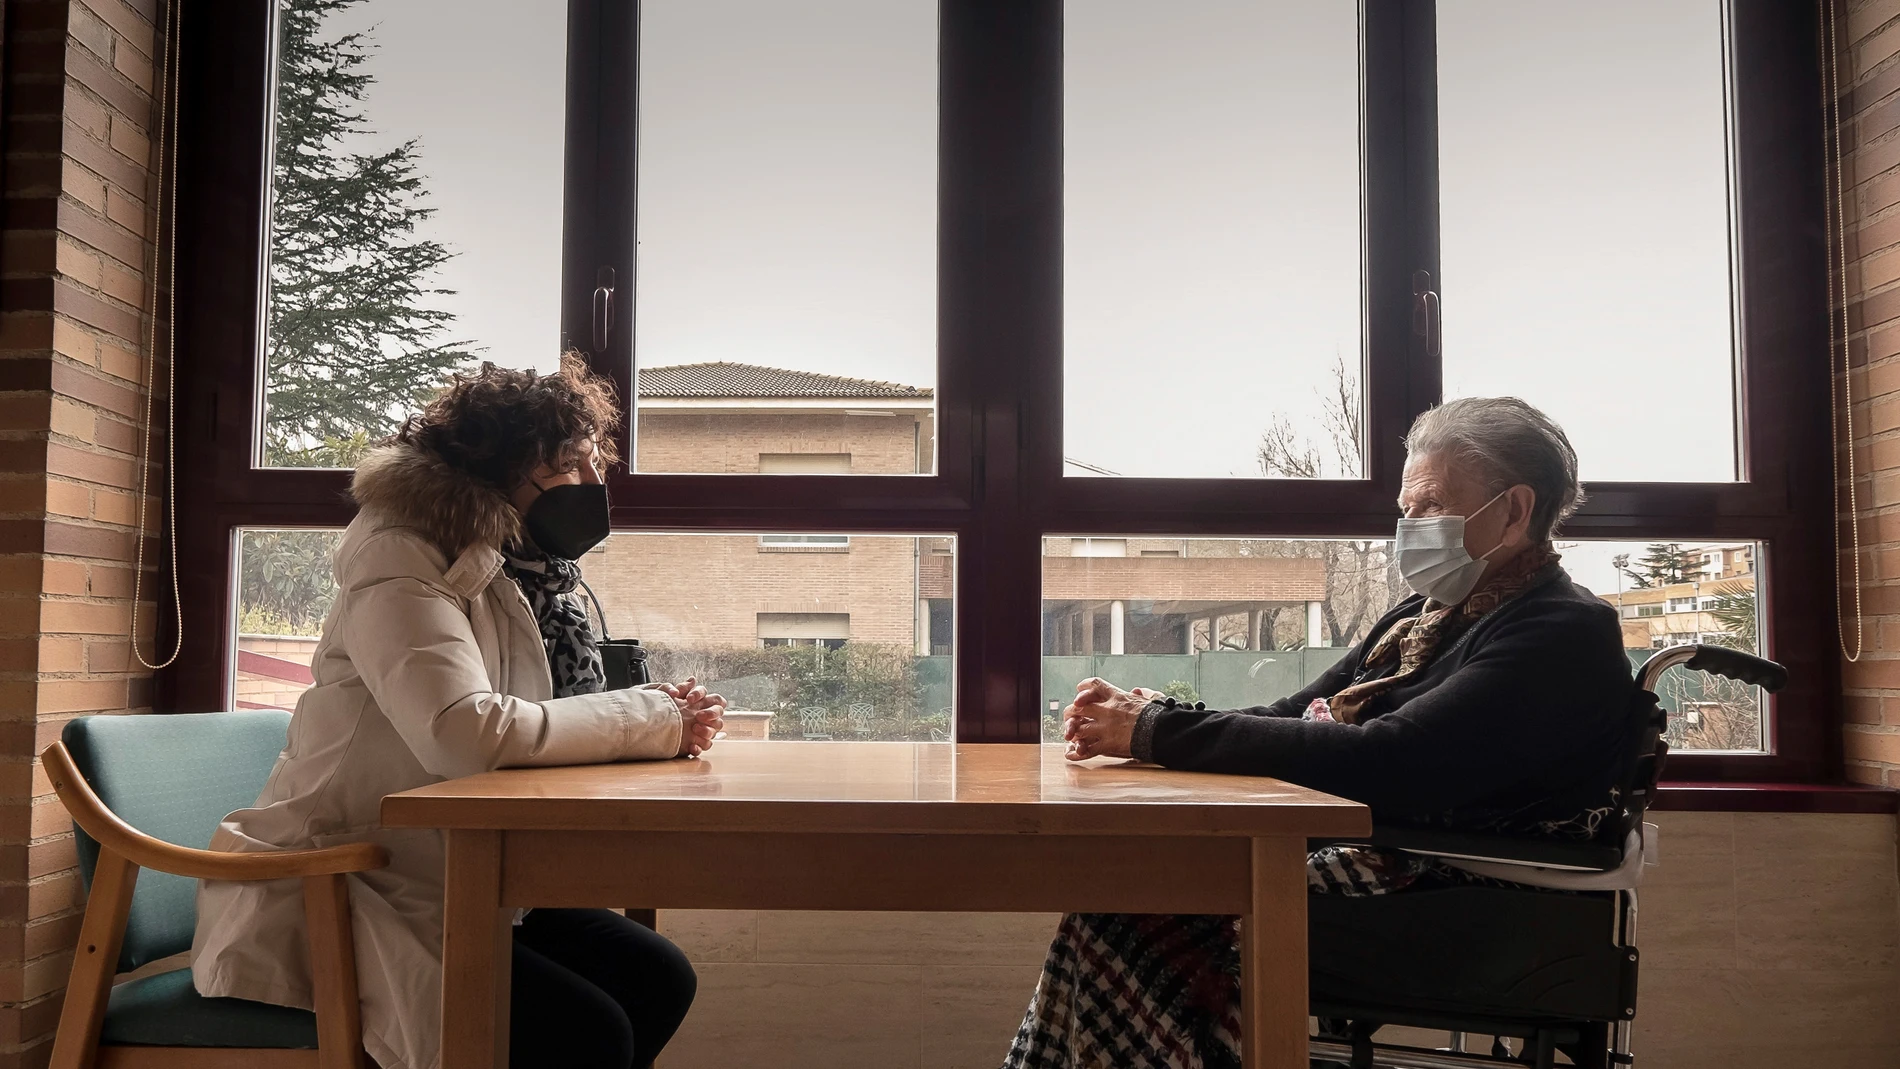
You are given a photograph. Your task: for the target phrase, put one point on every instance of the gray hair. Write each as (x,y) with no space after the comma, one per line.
(1505,442)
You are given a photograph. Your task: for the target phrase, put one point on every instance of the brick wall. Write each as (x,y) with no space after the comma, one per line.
(707,590)
(1870,118)
(730,442)
(77,120)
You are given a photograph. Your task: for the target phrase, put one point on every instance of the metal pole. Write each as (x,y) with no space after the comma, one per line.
(1620,1031)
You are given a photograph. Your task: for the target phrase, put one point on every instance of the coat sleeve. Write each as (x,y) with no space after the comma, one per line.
(411,643)
(1325,685)
(1532,698)
(1330,682)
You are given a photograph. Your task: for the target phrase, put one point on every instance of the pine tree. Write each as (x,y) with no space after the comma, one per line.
(353,338)
(1664,563)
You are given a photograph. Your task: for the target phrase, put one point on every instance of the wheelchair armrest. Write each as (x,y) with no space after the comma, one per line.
(1490,846)
(146,852)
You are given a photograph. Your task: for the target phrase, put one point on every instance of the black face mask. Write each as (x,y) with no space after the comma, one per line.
(568,520)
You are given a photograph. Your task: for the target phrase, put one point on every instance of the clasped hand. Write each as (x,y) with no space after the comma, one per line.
(1101,720)
(702,712)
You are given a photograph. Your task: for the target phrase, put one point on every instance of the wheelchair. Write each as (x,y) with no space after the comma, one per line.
(1550,966)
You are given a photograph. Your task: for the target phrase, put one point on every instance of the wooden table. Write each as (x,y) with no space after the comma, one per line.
(875,826)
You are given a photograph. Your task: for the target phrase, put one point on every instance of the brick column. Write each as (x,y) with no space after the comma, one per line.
(76,120)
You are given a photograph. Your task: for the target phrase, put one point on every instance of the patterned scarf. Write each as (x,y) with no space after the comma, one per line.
(1415,640)
(548,583)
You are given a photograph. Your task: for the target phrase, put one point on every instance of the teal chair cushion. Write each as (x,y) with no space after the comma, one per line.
(173,776)
(166,1011)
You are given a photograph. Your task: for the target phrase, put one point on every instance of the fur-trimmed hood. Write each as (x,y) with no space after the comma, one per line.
(415,488)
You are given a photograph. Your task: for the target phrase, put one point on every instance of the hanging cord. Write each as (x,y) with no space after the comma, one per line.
(1842,400)
(168,225)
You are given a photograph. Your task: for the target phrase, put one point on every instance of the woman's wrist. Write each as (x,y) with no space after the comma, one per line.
(1141,744)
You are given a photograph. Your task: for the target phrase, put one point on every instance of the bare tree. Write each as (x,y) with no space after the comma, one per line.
(1727,711)
(1361,581)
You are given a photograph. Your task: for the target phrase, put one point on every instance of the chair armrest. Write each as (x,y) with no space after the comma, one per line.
(146,852)
(1501,849)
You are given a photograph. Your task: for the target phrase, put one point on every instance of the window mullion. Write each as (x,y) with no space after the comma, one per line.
(1399,109)
(1000,315)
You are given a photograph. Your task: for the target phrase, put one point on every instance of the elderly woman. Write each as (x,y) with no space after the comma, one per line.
(1494,698)
(458,644)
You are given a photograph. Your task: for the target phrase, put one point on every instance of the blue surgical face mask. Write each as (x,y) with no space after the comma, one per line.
(1432,557)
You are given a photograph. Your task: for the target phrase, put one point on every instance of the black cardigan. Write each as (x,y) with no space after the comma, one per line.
(1526,716)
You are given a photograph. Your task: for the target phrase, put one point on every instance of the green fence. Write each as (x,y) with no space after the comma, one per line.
(934,680)
(1225,680)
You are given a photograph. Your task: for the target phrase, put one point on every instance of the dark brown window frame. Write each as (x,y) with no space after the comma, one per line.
(999,486)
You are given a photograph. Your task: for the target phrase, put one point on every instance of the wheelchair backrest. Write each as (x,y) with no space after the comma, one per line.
(1649,748)
(1643,766)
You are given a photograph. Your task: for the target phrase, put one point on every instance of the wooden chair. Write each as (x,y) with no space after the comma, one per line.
(177,776)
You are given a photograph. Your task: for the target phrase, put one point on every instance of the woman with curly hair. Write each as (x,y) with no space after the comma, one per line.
(457,645)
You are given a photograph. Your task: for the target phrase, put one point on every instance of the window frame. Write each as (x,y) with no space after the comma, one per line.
(999,486)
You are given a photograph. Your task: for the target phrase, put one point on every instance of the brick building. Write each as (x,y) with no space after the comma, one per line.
(729,418)
(1165,596)
(1174,595)
(777,588)
(1675,614)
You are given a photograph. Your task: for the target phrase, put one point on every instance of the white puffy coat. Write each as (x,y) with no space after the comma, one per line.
(431,666)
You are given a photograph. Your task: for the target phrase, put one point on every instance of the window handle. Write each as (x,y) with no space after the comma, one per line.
(1426,321)
(603,308)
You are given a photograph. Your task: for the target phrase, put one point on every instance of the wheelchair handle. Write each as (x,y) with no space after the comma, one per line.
(1715,660)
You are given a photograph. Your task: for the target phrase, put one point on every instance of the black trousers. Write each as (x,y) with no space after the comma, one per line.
(594,990)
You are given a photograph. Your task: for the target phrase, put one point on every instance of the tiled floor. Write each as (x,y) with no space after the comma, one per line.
(837,990)
(1767,940)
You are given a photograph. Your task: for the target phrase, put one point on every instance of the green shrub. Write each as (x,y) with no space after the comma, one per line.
(803,677)
(1181,691)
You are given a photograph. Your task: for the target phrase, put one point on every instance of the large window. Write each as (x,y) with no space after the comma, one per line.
(402,245)
(1239,622)
(1585,206)
(852,644)
(1102,320)
(1211,263)
(787,223)
(835,645)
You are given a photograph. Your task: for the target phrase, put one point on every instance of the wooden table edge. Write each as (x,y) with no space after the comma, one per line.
(1313,820)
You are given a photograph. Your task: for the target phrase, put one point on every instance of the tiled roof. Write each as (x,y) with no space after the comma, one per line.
(726,379)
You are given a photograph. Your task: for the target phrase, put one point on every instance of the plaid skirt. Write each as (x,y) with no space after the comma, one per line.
(1137,991)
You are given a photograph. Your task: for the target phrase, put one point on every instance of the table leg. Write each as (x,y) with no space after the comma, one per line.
(1273,958)
(477,954)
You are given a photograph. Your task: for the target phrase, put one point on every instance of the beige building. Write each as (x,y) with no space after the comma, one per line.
(738,590)
(1157,596)
(1173,595)
(1679,613)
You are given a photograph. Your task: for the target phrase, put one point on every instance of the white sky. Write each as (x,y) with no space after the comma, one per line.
(1212,263)
(1584,217)
(1590,563)
(484,87)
